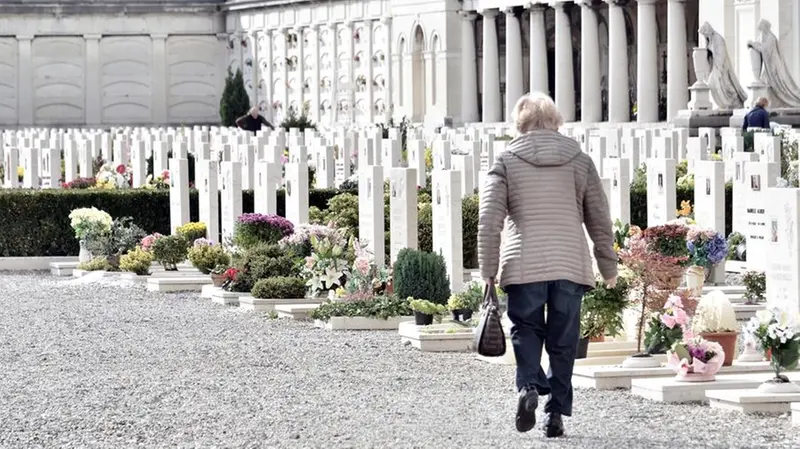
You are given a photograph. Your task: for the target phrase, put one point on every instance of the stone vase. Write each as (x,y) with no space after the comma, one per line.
(755,64)
(702,69)
(695,278)
(84,255)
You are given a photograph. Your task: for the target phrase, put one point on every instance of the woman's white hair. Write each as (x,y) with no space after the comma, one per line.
(536,111)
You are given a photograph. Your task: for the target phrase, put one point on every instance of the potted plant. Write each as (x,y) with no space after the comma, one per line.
(137,261)
(86,221)
(169,251)
(755,284)
(601,313)
(695,360)
(218,275)
(737,247)
(425,311)
(463,304)
(706,249)
(666,328)
(777,332)
(715,320)
(205,255)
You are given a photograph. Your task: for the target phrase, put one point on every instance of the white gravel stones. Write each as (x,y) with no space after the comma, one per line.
(94,365)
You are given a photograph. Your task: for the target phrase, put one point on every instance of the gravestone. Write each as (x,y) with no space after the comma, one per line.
(208,196)
(403,210)
(416,160)
(660,191)
(160,155)
(740,186)
(462,163)
(178,193)
(138,164)
(325,173)
(617,171)
(231,198)
(767,146)
(447,232)
(759,176)
(53,167)
(371,221)
(70,160)
(296,192)
(709,204)
(31,165)
(265,197)
(783,245)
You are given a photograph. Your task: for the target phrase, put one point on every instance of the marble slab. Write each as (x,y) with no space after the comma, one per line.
(672,390)
(613,377)
(749,401)
(178,283)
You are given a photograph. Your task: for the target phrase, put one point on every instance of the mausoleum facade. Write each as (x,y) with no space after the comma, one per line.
(363,61)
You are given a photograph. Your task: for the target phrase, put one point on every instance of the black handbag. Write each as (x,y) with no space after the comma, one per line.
(490,340)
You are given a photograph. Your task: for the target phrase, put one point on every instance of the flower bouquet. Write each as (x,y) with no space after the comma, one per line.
(328,266)
(706,249)
(695,359)
(87,222)
(666,328)
(777,332)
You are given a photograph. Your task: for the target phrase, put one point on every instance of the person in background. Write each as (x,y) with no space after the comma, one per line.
(252,121)
(545,189)
(758,117)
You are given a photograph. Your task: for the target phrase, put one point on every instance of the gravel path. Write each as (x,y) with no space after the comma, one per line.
(110,366)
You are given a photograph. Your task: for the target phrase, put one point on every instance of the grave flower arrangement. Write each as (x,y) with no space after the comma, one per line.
(252,229)
(90,220)
(706,247)
(148,240)
(365,279)
(205,255)
(300,239)
(158,182)
(169,251)
(755,284)
(668,327)
(777,332)
(695,359)
(686,213)
(328,266)
(114,178)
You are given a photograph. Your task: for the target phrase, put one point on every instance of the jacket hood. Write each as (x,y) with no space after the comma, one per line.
(544,148)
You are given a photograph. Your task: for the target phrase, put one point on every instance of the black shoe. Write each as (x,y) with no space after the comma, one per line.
(553,425)
(526,409)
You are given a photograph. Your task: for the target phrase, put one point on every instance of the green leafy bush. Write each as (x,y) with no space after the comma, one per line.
(123,237)
(169,251)
(426,307)
(192,231)
(418,274)
(254,229)
(264,261)
(280,288)
(382,307)
(137,261)
(205,256)
(99,263)
(293,120)
(755,284)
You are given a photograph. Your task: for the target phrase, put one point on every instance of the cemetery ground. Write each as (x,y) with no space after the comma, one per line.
(111,365)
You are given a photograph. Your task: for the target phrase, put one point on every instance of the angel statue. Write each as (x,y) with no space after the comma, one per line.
(770,67)
(724,85)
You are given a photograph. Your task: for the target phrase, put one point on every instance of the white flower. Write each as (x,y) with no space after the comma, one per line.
(763,317)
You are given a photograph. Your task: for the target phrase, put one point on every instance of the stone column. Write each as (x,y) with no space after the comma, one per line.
(646,63)
(269,75)
(618,97)
(538,51)
(370,112)
(25,80)
(565,77)
(387,65)
(222,43)
(284,55)
(591,100)
(677,66)
(334,89)
(491,69)
(255,75)
(514,88)
(159,80)
(469,69)
(301,69)
(92,103)
(351,71)
(316,99)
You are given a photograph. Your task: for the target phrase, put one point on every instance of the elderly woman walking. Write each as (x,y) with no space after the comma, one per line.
(546,189)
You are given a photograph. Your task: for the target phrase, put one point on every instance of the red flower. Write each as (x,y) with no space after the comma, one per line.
(165,174)
(121,169)
(230,274)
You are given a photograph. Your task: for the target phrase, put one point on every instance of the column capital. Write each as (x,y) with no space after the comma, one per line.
(647,2)
(24,37)
(332,25)
(509,10)
(386,20)
(536,7)
(96,37)
(489,13)
(314,26)
(158,36)
(348,24)
(368,21)
(468,15)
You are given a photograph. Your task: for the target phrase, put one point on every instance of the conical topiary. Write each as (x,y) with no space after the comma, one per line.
(421,275)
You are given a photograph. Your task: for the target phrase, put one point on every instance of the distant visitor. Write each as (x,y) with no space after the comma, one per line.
(252,121)
(758,117)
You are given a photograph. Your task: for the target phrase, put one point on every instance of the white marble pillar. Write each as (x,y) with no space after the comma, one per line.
(646,63)
(316,99)
(334,88)
(269,75)
(514,87)
(255,71)
(93,106)
(387,64)
(591,102)
(491,69)
(351,71)
(222,44)
(284,54)
(538,51)
(369,111)
(469,69)
(25,80)
(677,75)
(158,87)
(618,98)
(565,77)
(301,69)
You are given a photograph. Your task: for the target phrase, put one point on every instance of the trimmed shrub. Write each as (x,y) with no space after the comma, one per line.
(264,261)
(280,288)
(137,261)
(169,251)
(192,231)
(421,275)
(252,229)
(234,101)
(99,263)
(205,257)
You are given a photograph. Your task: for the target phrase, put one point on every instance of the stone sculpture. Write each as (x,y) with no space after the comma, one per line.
(722,80)
(770,67)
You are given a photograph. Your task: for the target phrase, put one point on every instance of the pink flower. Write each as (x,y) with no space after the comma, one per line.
(684,367)
(362,265)
(148,241)
(681,317)
(165,174)
(121,169)
(673,301)
(309,262)
(687,333)
(668,320)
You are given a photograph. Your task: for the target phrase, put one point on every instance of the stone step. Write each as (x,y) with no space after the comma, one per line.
(609,377)
(795,407)
(360,323)
(248,302)
(225,298)
(750,401)
(63,269)
(295,311)
(674,391)
(437,337)
(177,284)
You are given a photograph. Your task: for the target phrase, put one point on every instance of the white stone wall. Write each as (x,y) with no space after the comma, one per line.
(110,70)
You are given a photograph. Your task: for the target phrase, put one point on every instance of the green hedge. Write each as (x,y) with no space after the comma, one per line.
(639,205)
(36,222)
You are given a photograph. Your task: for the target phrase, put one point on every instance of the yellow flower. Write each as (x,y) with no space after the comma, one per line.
(685,210)
(20,171)
(616,247)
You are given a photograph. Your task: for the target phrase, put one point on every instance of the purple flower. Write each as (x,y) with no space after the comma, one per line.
(284,226)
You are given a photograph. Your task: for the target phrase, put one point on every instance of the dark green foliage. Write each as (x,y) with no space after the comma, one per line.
(300,122)
(280,288)
(382,307)
(234,101)
(170,250)
(263,261)
(659,338)
(639,204)
(421,275)
(191,163)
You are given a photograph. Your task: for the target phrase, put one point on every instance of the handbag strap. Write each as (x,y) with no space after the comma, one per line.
(490,294)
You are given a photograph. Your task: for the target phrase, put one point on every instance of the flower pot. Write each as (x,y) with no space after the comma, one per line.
(725,339)
(456,315)
(170,266)
(84,255)
(779,385)
(641,360)
(466,314)
(422,319)
(583,348)
(695,278)
(598,339)
(217,279)
(701,66)
(113,261)
(697,371)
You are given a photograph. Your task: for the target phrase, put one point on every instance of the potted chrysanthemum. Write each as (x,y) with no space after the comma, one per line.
(695,359)
(777,332)
(706,249)
(715,320)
